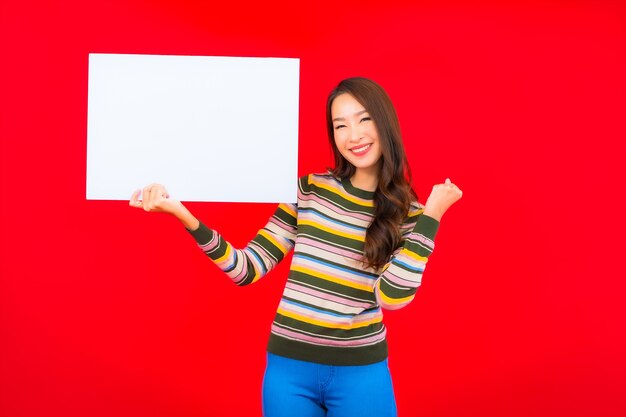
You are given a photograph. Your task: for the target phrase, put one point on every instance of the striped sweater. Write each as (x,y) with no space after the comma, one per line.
(331,308)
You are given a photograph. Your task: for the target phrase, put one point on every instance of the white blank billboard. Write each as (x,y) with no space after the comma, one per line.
(208,128)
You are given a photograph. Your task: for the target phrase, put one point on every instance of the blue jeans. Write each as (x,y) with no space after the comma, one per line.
(305,389)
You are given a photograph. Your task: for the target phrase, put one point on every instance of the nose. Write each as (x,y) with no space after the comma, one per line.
(355,133)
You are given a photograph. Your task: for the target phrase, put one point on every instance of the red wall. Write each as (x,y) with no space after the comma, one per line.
(108,311)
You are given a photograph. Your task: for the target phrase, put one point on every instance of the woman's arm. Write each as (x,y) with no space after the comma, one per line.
(270,245)
(243,266)
(396,286)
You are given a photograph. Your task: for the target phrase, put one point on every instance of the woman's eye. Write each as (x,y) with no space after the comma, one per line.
(366,119)
(339,127)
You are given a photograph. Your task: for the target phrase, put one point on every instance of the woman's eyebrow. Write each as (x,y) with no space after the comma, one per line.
(338,119)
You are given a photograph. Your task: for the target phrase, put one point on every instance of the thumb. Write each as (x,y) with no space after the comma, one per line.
(134,199)
(448,181)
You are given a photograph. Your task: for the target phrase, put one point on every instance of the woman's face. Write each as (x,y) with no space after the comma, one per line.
(355,132)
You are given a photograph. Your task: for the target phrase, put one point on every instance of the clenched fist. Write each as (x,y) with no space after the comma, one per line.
(441,198)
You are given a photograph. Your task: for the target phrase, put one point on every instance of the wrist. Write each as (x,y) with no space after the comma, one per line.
(186,218)
(435,214)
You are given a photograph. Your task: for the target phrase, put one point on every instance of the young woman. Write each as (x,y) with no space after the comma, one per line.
(361,242)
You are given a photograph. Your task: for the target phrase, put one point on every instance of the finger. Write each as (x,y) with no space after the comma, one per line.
(156,196)
(448,182)
(163,192)
(147,196)
(159,193)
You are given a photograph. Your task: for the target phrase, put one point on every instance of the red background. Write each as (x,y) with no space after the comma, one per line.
(109,311)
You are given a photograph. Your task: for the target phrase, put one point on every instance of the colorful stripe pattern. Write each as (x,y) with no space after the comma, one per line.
(331,309)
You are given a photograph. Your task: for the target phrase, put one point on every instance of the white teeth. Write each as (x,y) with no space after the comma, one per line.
(361,149)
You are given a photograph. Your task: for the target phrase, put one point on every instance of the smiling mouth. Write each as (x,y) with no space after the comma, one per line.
(361,149)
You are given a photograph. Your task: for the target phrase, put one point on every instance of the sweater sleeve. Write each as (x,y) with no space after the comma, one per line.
(261,255)
(396,286)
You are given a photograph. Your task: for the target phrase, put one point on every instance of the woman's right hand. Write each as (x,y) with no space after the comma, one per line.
(155,198)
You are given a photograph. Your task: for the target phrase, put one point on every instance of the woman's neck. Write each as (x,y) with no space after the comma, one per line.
(365,179)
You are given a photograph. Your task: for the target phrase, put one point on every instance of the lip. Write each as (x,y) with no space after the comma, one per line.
(364,151)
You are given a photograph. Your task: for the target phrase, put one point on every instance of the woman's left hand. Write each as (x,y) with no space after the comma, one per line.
(441,198)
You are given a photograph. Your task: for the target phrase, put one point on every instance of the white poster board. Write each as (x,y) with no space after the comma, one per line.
(208,128)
